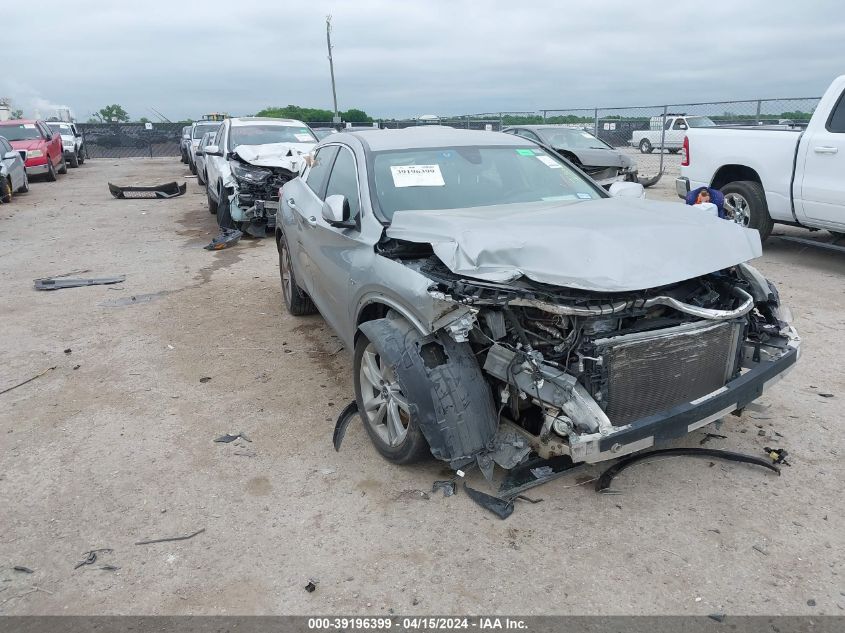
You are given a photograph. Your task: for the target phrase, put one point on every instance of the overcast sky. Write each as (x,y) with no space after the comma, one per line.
(402,59)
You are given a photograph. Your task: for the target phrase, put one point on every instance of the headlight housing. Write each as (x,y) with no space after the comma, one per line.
(34,153)
(249,174)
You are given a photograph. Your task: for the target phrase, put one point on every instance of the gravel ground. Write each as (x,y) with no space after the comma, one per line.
(115,445)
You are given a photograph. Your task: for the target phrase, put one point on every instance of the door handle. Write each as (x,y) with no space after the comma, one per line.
(312,221)
(825,150)
(292,203)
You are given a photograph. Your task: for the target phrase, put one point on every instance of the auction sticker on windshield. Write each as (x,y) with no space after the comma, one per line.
(549,161)
(416,176)
(303,138)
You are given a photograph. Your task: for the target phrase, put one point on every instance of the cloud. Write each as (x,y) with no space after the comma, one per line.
(404,59)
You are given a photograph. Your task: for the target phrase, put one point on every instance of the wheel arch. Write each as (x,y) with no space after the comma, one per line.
(732,173)
(376,307)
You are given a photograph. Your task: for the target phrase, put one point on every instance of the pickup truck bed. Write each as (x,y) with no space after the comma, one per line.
(775,174)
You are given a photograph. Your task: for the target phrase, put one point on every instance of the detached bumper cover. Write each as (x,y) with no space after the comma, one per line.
(166,190)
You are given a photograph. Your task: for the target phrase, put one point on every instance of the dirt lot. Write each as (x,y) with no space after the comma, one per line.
(115,445)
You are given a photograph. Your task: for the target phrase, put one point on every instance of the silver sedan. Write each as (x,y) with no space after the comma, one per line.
(13,176)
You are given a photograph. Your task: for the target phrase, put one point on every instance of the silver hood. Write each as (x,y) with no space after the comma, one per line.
(287,155)
(607,245)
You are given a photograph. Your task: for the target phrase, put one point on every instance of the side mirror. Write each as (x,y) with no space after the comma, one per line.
(10,155)
(336,211)
(213,150)
(627,190)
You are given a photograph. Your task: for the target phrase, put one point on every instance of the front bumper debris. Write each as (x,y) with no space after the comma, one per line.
(163,191)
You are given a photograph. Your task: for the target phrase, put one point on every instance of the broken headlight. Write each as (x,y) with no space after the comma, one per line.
(249,174)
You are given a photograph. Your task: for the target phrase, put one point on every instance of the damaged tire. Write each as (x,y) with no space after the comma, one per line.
(296,301)
(224,214)
(421,394)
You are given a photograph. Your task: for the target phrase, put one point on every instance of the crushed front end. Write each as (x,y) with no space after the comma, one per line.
(599,375)
(255,200)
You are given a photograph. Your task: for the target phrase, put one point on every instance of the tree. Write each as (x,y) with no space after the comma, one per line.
(353,115)
(17,114)
(112,114)
(143,119)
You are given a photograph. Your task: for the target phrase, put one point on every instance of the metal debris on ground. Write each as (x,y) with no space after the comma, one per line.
(205,379)
(778,455)
(607,476)
(343,420)
(163,191)
(170,538)
(712,436)
(226,238)
(21,384)
(759,548)
(226,439)
(52,283)
(826,395)
(91,556)
(311,586)
(447,486)
(109,567)
(500,507)
(21,568)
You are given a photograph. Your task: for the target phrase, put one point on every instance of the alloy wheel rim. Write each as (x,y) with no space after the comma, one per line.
(385,406)
(284,269)
(739,208)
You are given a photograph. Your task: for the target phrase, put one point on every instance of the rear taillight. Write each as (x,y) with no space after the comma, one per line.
(685,152)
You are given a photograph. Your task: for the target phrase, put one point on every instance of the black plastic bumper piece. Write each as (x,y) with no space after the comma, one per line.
(163,191)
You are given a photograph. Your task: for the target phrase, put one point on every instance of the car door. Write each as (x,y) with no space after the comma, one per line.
(303,198)
(213,163)
(330,248)
(822,176)
(12,165)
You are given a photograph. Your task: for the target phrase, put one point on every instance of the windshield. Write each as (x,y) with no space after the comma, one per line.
(20,132)
(700,121)
(323,132)
(61,128)
(571,139)
(461,177)
(199,130)
(264,134)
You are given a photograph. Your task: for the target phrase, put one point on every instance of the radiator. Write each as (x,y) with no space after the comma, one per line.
(650,372)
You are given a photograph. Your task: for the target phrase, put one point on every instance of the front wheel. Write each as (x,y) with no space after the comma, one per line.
(297,302)
(63,165)
(645,146)
(6,189)
(193,167)
(25,186)
(224,214)
(51,170)
(212,205)
(74,160)
(200,178)
(388,416)
(745,204)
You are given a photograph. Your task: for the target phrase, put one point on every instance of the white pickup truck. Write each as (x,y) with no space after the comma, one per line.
(669,135)
(775,175)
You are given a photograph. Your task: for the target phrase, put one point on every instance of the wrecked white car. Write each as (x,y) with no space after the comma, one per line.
(246,165)
(499,302)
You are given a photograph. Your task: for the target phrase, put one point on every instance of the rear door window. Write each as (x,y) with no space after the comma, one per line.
(836,123)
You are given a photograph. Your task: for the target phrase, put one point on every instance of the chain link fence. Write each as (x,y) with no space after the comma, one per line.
(130,140)
(654,135)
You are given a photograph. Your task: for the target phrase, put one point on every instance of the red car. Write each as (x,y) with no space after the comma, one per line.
(43,148)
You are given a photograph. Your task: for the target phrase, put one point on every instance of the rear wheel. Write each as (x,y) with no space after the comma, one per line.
(745,204)
(645,146)
(297,302)
(63,165)
(74,160)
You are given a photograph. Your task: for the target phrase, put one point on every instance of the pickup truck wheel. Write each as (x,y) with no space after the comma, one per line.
(51,171)
(297,302)
(389,418)
(63,165)
(645,146)
(745,203)
(74,160)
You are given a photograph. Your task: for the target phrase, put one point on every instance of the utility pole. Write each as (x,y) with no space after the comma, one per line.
(336,119)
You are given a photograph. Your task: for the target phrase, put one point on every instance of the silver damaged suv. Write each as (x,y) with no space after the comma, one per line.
(494,296)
